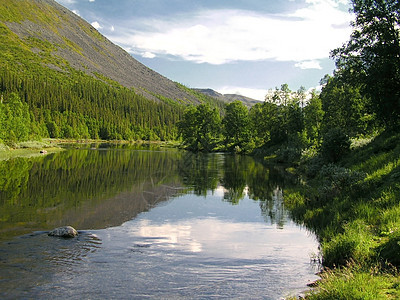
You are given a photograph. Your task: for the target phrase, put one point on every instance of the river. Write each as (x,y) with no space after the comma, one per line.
(153,223)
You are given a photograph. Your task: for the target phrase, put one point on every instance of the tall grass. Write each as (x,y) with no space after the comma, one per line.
(354,208)
(354,282)
(356,243)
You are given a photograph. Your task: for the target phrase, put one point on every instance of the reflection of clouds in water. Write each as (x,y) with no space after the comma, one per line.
(219,191)
(223,239)
(170,235)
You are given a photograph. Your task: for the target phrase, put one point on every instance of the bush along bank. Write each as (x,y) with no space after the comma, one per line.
(353,205)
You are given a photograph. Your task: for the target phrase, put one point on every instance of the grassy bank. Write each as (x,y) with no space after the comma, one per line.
(354,208)
(27,149)
(35,148)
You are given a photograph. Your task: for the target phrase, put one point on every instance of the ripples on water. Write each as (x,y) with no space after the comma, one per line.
(216,244)
(167,254)
(30,262)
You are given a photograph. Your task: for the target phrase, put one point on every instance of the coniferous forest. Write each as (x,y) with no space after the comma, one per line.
(84,108)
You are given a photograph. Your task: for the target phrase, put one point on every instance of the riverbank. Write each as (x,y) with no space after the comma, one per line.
(116,142)
(47,146)
(353,206)
(28,149)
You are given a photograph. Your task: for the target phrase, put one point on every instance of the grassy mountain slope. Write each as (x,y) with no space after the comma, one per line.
(40,34)
(60,78)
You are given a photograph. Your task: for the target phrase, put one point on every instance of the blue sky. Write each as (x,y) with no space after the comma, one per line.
(232,46)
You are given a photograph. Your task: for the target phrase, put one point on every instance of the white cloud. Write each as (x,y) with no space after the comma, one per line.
(96,25)
(76,12)
(92,0)
(309,64)
(221,36)
(149,55)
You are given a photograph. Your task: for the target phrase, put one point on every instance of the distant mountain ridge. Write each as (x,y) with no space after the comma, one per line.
(228,97)
(60,40)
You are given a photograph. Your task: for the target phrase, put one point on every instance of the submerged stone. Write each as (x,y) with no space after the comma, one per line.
(65,232)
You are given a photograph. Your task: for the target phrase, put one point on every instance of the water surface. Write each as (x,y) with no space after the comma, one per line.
(154,223)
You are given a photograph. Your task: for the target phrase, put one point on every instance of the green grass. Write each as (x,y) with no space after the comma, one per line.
(26,149)
(353,282)
(354,209)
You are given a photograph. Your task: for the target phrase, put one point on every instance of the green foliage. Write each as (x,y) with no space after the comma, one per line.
(335,180)
(354,209)
(344,107)
(390,250)
(15,122)
(264,122)
(335,144)
(237,131)
(370,58)
(279,124)
(82,107)
(313,116)
(200,128)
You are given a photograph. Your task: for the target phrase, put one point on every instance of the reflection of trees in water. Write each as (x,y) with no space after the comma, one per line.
(273,208)
(267,185)
(262,184)
(200,171)
(43,189)
(238,175)
(235,177)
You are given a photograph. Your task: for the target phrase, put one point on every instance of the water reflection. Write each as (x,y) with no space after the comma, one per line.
(238,176)
(93,189)
(215,238)
(157,223)
(86,188)
(201,172)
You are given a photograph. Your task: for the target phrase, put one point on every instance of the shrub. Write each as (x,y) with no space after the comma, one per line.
(337,179)
(335,145)
(288,154)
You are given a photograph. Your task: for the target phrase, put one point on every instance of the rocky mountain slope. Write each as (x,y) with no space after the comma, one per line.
(44,34)
(228,97)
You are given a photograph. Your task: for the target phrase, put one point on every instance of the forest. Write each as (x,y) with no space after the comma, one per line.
(34,107)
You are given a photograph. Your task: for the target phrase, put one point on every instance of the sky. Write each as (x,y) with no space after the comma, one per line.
(232,46)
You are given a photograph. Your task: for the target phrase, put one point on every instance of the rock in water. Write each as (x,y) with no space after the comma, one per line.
(65,232)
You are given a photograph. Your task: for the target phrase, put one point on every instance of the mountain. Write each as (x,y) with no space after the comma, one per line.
(60,78)
(56,38)
(249,102)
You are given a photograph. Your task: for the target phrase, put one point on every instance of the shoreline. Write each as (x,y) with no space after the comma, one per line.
(48,146)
